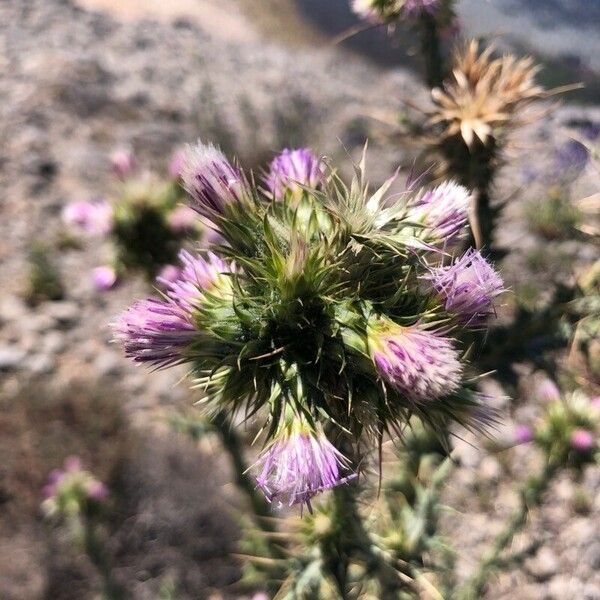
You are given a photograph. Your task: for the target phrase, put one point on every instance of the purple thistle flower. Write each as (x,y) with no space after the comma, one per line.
(523,434)
(97,491)
(176,164)
(582,440)
(182,219)
(155,331)
(468,287)
(414,8)
(442,211)
(198,276)
(168,274)
(299,464)
(547,391)
(294,169)
(211,180)
(124,163)
(104,278)
(420,364)
(95,218)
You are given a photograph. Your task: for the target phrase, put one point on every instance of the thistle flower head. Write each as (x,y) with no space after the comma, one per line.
(211,180)
(124,163)
(414,8)
(176,164)
(523,434)
(582,440)
(468,287)
(484,95)
(442,212)
(294,170)
(421,364)
(182,220)
(298,464)
(104,277)
(198,277)
(547,391)
(95,218)
(168,274)
(157,332)
(70,490)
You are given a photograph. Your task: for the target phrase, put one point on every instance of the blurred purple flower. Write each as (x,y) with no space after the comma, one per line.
(124,163)
(97,491)
(595,402)
(414,8)
(211,180)
(95,218)
(182,219)
(547,391)
(298,465)
(582,440)
(442,211)
(104,277)
(176,164)
(294,169)
(523,434)
(168,274)
(155,331)
(421,364)
(468,287)
(570,160)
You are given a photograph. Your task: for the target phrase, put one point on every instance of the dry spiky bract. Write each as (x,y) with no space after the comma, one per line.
(485,95)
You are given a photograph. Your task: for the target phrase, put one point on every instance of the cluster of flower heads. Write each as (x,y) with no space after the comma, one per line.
(326,311)
(71,490)
(146,220)
(568,430)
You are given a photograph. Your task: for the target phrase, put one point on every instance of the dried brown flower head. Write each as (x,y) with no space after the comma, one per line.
(484,95)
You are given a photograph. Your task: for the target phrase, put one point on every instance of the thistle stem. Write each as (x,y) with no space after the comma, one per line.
(530,496)
(431,50)
(232,443)
(96,552)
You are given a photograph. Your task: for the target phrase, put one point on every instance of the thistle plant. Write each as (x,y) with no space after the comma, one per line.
(475,109)
(567,435)
(74,500)
(145,220)
(430,18)
(319,317)
(44,281)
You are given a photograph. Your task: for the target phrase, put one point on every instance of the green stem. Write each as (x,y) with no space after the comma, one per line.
(431,50)
(95,550)
(243,480)
(530,496)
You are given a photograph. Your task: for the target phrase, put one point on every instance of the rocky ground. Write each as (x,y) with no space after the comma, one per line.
(74,85)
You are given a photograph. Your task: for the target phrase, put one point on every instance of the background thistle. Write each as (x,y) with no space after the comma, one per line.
(145,220)
(474,112)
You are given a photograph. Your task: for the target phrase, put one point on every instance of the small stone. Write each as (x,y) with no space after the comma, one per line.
(11,358)
(40,364)
(53,342)
(544,565)
(38,323)
(490,468)
(65,312)
(11,309)
(107,364)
